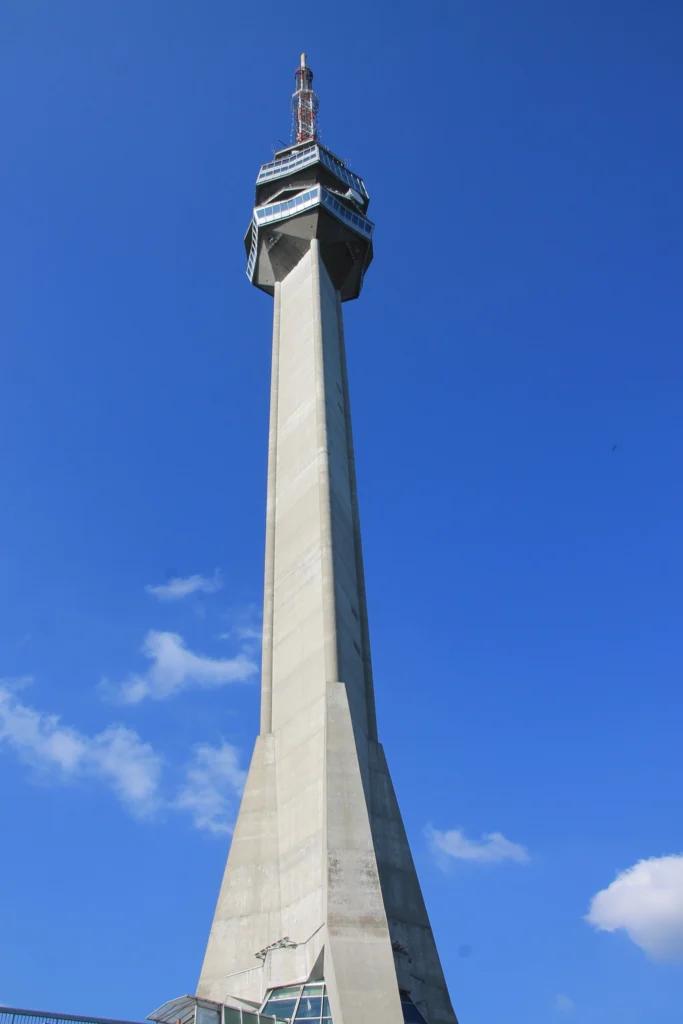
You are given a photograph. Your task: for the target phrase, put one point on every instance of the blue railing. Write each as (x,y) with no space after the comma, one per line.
(11,1015)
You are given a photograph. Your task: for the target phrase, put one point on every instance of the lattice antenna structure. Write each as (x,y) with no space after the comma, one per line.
(305,105)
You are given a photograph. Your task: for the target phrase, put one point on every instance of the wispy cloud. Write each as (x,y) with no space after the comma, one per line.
(182,586)
(247,627)
(563,1004)
(254,633)
(116,756)
(492,848)
(213,782)
(175,668)
(645,901)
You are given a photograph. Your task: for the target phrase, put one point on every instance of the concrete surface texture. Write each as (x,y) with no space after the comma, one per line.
(320,880)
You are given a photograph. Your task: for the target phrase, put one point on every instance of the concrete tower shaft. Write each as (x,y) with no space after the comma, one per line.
(320,884)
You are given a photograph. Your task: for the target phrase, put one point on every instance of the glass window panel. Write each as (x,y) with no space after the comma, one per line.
(286,992)
(313,990)
(310,1006)
(206,1015)
(249,1018)
(326,1007)
(283,1008)
(231,1015)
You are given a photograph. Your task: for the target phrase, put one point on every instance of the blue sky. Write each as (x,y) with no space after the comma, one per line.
(522,318)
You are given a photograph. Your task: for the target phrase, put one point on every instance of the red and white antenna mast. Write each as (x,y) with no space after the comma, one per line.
(305,104)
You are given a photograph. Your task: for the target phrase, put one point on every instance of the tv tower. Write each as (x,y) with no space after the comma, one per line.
(320,918)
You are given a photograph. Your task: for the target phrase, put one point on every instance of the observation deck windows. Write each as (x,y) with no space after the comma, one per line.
(313,197)
(276,211)
(314,154)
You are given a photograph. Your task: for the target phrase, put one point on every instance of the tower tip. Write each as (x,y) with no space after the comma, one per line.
(304,104)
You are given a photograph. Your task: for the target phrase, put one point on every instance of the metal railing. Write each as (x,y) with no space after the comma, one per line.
(12,1015)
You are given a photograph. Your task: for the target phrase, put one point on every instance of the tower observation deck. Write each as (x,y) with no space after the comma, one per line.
(320,917)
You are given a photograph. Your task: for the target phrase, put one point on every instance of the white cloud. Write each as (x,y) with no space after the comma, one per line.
(491,848)
(132,767)
(254,633)
(175,668)
(247,627)
(179,587)
(116,756)
(213,782)
(563,1004)
(645,901)
(251,636)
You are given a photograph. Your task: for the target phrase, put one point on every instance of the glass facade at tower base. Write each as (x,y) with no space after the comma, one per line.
(305,1003)
(192,1010)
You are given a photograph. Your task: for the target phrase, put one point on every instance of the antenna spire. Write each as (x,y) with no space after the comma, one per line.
(305,104)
